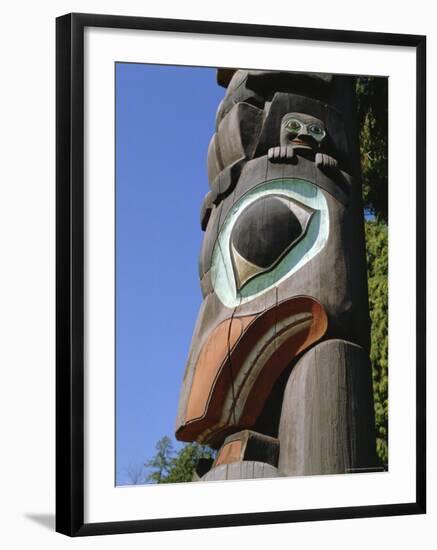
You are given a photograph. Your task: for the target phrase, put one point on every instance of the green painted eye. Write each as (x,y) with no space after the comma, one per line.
(316,131)
(293,125)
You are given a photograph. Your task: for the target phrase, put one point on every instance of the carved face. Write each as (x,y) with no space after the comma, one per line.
(303,131)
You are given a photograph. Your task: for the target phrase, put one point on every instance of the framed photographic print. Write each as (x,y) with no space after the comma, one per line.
(240,274)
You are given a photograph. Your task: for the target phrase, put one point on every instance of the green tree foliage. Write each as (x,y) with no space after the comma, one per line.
(377,271)
(169,466)
(160,464)
(184,463)
(372,96)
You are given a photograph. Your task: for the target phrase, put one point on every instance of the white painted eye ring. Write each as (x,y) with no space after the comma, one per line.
(293,125)
(316,235)
(316,131)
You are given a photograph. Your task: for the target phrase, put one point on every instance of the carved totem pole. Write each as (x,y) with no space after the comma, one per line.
(278,377)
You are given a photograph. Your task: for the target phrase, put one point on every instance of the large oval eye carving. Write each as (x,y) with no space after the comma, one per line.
(271,232)
(264,232)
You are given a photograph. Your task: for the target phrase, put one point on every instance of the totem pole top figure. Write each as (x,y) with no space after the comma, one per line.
(282,265)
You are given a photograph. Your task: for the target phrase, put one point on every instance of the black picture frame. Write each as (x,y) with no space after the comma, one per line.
(70,273)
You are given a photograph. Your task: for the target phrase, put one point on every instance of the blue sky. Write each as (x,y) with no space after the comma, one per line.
(164,121)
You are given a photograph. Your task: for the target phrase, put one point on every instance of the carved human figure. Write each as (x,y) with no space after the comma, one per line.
(278,371)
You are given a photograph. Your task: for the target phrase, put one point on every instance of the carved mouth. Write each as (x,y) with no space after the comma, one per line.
(241,361)
(301,144)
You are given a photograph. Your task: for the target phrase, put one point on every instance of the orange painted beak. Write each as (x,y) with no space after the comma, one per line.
(240,363)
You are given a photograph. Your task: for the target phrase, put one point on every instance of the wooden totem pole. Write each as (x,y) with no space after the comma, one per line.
(278,377)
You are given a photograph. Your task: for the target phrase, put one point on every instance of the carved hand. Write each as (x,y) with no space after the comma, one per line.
(284,153)
(325,161)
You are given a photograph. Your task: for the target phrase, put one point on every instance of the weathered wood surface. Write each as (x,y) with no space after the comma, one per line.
(249,446)
(241,470)
(327,421)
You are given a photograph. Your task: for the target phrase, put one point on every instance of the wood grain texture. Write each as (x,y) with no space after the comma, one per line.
(238,133)
(327,420)
(229,452)
(241,470)
(214,354)
(248,445)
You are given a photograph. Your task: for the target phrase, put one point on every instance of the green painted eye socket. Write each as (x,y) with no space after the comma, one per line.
(316,131)
(307,202)
(293,125)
